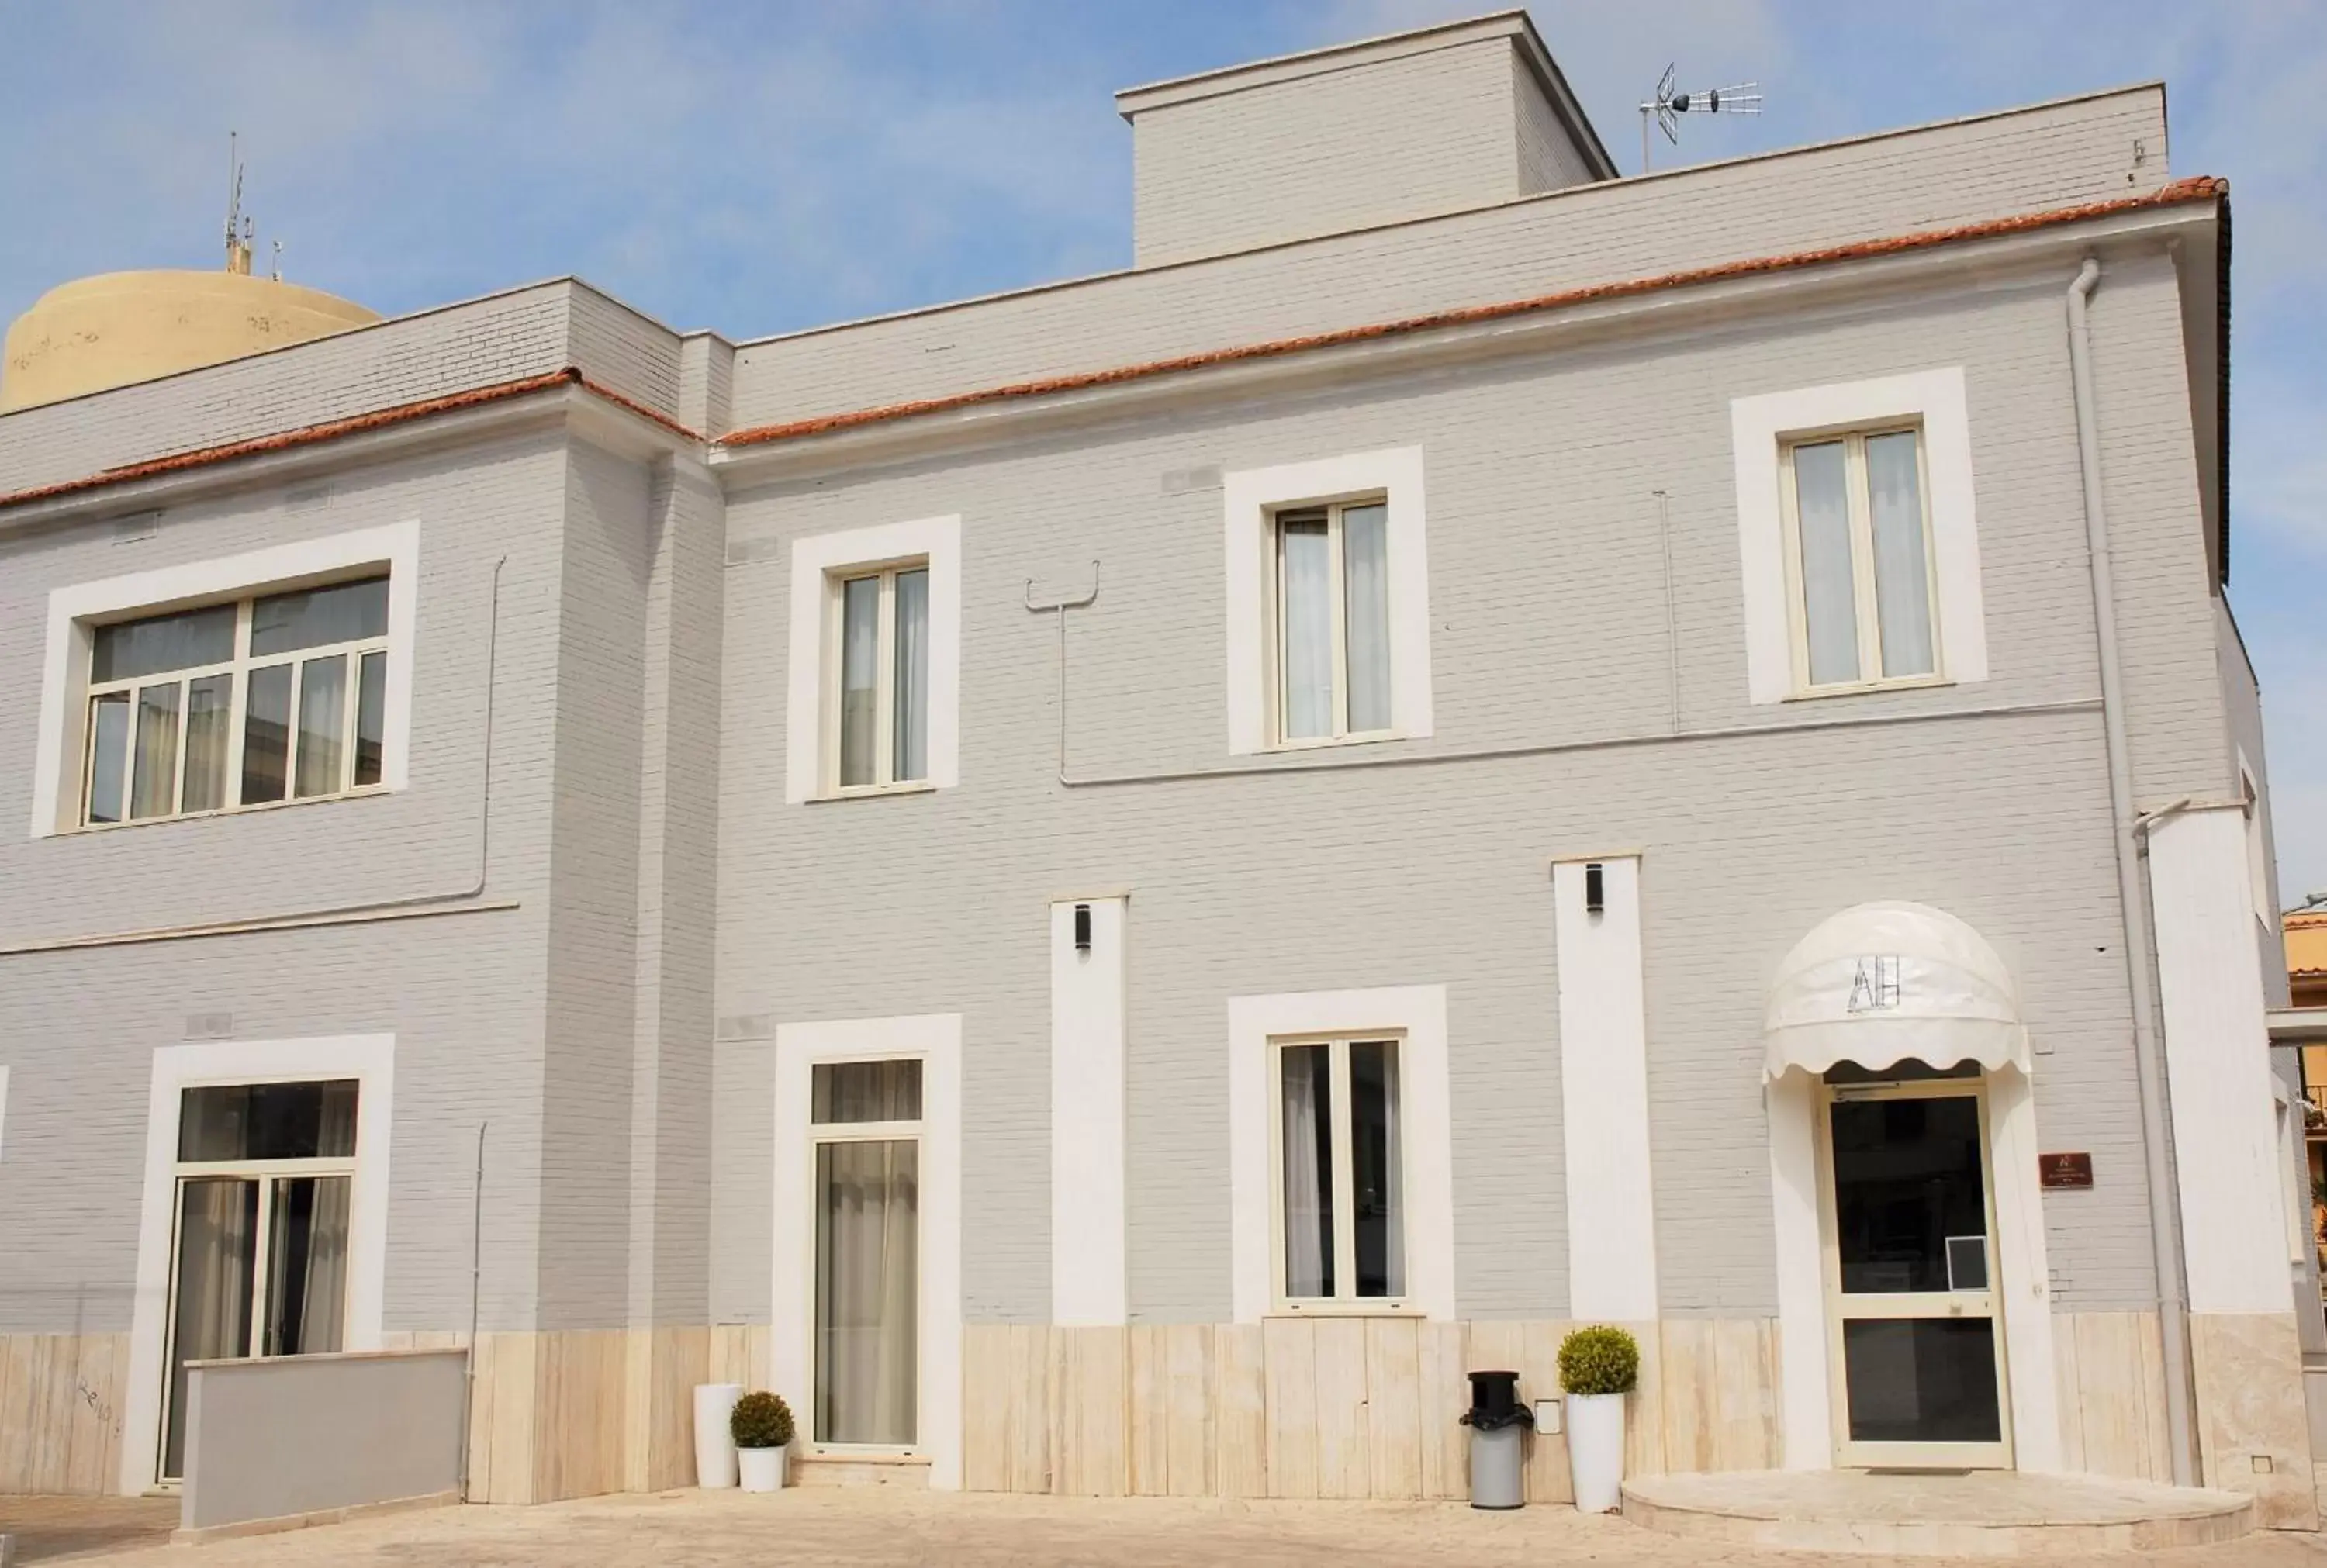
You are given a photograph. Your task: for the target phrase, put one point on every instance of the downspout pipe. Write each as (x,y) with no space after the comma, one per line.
(2148,1059)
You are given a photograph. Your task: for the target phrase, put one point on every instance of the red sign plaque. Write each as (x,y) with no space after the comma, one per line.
(2064,1169)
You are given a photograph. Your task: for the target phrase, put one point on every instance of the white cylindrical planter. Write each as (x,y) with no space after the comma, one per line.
(714,1449)
(1596,1450)
(762,1469)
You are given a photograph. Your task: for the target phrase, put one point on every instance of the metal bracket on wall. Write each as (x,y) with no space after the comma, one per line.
(1059,607)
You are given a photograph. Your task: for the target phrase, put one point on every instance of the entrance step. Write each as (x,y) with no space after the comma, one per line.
(1971,1514)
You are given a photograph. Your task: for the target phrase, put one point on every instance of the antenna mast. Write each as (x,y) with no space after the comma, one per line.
(238,226)
(1744,98)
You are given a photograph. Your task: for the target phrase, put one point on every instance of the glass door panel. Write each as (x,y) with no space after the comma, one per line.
(867,1291)
(217,1233)
(1909,1278)
(306,1266)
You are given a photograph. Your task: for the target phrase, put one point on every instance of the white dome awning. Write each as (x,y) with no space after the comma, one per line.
(1881,983)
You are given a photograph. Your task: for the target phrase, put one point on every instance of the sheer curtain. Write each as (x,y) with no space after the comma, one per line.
(209,711)
(306,1291)
(1304,574)
(1829,590)
(1378,1168)
(1903,570)
(909,724)
(1365,572)
(867,1293)
(218,1228)
(153,780)
(1307,1144)
(860,657)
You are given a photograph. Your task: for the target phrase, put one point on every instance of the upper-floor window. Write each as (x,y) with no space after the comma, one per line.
(1328,601)
(879,700)
(1860,543)
(1333,621)
(276,697)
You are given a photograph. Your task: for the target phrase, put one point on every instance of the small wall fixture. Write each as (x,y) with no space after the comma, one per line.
(1082,928)
(1595,895)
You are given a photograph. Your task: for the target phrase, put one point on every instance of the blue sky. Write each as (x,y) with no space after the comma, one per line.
(755,167)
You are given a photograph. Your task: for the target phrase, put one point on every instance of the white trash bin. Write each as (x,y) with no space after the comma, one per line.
(714,1446)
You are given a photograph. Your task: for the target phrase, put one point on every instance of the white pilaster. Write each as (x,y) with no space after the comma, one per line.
(1603,1090)
(1088,1038)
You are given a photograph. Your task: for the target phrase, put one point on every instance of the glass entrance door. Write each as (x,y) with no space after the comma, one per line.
(1915,1335)
(260,1263)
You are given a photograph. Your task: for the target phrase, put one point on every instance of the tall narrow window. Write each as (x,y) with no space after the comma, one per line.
(865,1123)
(1341,1175)
(880,701)
(1333,621)
(260,1263)
(238,703)
(1859,541)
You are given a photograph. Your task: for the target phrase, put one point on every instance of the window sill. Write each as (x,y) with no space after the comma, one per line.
(1865,687)
(86,829)
(1285,1312)
(855,1453)
(873,792)
(1332,743)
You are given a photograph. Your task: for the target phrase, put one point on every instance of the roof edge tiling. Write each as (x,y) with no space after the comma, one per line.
(334,429)
(2198,187)
(2182,191)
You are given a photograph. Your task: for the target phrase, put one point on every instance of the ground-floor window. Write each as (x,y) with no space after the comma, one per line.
(260,1257)
(865,1120)
(1339,1173)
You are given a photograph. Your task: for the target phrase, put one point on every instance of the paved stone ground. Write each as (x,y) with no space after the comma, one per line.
(883,1529)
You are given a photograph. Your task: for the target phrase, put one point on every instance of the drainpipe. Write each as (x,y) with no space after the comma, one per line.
(2148,1059)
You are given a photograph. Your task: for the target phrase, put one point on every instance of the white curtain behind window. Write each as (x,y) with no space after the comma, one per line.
(323,1311)
(910,724)
(1903,579)
(1830,591)
(1305,572)
(1365,572)
(218,1230)
(867,1296)
(1308,1172)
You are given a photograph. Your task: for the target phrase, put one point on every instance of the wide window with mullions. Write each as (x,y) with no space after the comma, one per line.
(271,698)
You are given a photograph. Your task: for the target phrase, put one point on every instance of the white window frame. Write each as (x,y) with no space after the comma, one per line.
(1252,500)
(1258,1026)
(819,562)
(238,666)
(935,1039)
(1345,1302)
(76,610)
(1868,624)
(885,677)
(1337,594)
(370,1060)
(1762,429)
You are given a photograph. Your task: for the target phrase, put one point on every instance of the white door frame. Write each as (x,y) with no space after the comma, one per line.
(1986,1304)
(370,1060)
(935,1039)
(1807,1420)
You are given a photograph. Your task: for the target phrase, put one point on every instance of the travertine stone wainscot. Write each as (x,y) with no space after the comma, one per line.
(61,1412)
(2250,1413)
(1330,1407)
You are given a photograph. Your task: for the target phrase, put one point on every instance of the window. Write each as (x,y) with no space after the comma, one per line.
(1332,622)
(879,703)
(1861,552)
(259,1267)
(865,1123)
(1327,602)
(1340,1175)
(277,697)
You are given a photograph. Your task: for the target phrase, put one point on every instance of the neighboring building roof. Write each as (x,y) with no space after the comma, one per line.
(2182,192)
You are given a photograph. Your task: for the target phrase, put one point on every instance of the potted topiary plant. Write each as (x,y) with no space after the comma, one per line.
(1598,1366)
(761,1423)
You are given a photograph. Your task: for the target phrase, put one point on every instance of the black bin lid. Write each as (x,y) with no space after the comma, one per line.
(1494,1392)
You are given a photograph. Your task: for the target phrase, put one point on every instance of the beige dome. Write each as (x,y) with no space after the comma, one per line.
(121,327)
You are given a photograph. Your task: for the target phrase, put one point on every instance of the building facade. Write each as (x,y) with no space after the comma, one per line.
(1108,887)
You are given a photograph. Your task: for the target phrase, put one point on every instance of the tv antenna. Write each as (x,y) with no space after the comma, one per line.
(1668,105)
(238,226)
